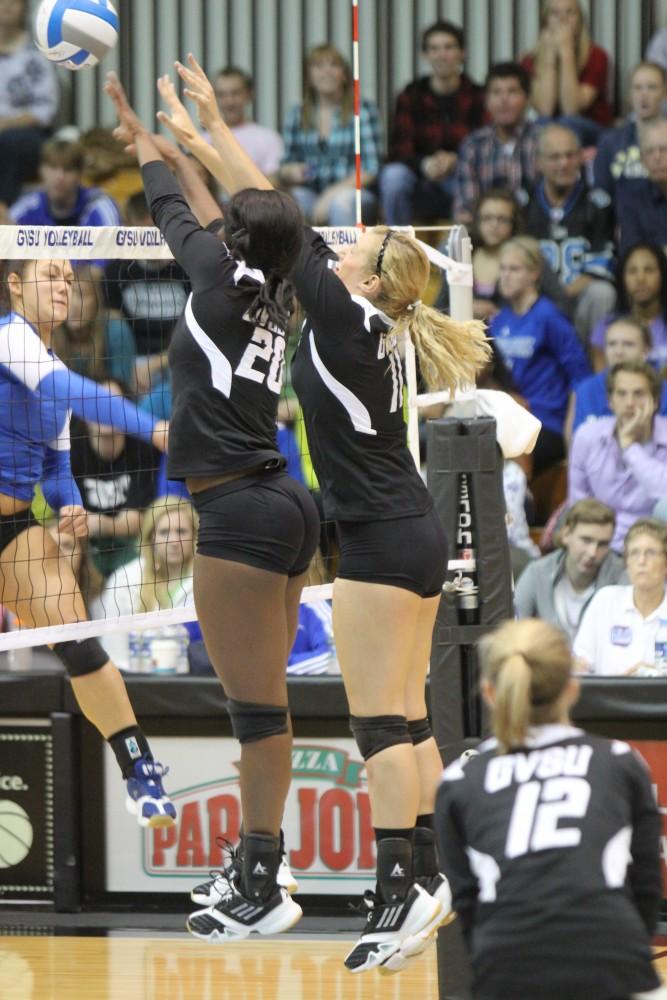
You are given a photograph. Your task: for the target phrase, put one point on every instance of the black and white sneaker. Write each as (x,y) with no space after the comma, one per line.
(390,927)
(219,885)
(438,888)
(216,888)
(237,917)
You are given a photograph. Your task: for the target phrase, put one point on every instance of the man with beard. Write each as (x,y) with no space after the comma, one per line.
(575,227)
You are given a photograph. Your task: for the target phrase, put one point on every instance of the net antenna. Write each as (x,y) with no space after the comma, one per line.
(357,109)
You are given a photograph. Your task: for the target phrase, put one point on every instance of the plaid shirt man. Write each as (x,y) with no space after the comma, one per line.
(484,162)
(331,158)
(425,122)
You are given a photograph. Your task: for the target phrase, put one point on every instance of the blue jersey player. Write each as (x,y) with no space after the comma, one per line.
(37,583)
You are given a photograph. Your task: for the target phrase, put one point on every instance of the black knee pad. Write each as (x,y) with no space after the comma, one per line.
(252,722)
(379,732)
(81,658)
(420,730)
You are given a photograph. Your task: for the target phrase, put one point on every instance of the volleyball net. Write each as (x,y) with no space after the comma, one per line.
(134,569)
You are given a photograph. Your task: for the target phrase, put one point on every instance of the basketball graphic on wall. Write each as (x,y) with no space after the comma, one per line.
(15,833)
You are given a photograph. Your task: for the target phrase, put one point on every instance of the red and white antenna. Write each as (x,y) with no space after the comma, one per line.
(357,106)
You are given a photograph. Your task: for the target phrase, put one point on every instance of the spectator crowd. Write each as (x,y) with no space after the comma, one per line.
(568,215)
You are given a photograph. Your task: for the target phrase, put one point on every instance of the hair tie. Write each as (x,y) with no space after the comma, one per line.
(413,305)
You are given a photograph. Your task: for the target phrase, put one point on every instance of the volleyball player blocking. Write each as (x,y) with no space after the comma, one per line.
(348,374)
(258,527)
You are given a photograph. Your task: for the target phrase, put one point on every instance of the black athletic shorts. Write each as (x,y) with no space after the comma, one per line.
(267,520)
(408,552)
(13,524)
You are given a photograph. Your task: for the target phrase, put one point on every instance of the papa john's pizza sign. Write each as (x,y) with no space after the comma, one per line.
(327,822)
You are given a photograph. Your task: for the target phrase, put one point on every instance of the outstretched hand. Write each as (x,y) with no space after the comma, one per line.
(73,520)
(199,89)
(178,121)
(130,125)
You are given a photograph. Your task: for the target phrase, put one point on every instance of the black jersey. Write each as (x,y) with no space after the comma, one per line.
(576,238)
(226,371)
(552,853)
(150,295)
(109,485)
(348,375)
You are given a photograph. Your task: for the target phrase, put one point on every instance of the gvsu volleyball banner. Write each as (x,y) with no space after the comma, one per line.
(117,242)
(81,242)
(26,810)
(327,824)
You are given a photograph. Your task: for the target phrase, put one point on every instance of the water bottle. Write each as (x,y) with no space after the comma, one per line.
(135,641)
(183,636)
(169,649)
(18,657)
(660,656)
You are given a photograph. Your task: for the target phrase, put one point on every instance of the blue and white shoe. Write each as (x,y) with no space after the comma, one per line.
(146,798)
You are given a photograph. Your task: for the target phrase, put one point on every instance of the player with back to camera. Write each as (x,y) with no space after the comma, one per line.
(37,582)
(258,528)
(550,838)
(349,378)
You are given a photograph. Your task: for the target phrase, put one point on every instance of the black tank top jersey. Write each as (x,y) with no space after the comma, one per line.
(348,376)
(552,853)
(226,372)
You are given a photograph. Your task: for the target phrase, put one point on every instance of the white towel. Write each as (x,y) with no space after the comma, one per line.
(516,428)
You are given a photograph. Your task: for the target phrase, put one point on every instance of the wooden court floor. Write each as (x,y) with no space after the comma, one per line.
(176,968)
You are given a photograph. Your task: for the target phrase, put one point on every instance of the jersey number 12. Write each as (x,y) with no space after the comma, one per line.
(264,347)
(539,808)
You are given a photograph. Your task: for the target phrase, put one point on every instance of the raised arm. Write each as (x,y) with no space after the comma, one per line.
(228,161)
(131,130)
(196,250)
(204,206)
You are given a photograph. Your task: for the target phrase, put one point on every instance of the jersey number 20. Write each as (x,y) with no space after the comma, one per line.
(269,348)
(540,814)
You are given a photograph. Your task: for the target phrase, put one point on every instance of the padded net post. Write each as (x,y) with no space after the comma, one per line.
(465,469)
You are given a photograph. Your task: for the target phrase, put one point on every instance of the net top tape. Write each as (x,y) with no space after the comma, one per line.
(81,243)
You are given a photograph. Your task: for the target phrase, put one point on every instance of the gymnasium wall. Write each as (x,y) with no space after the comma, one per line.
(269,37)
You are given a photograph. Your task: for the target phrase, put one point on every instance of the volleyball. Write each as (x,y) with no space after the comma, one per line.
(15,833)
(76,33)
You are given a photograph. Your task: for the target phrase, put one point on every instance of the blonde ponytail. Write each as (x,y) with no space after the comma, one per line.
(450,352)
(528,664)
(511,710)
